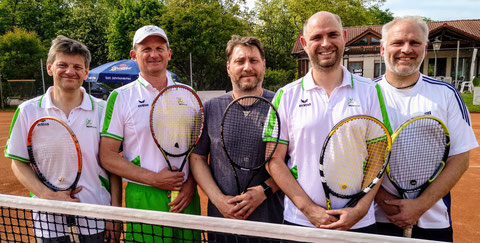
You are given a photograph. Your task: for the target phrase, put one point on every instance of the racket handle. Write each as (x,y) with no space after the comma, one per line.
(407,233)
(173,195)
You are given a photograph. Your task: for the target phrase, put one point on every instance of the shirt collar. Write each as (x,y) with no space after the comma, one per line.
(47,103)
(149,86)
(417,83)
(308,83)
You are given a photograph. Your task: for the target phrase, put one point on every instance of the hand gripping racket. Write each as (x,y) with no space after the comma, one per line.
(353,158)
(419,152)
(56,158)
(176,123)
(243,127)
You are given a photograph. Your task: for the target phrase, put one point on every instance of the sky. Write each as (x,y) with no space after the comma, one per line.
(437,10)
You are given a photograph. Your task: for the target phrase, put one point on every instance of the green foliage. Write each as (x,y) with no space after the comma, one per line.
(20,59)
(87,25)
(126,20)
(203,30)
(476,82)
(381,16)
(275,79)
(468,99)
(45,17)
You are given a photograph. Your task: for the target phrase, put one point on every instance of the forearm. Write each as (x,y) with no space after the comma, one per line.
(29,180)
(112,161)
(116,189)
(455,167)
(365,202)
(287,183)
(203,176)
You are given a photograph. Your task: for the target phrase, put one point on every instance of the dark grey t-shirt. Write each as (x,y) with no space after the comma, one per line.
(271,210)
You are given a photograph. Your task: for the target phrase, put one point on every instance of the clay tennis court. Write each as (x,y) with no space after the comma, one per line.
(465,195)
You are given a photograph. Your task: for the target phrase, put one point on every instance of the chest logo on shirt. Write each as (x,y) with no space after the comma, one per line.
(428,113)
(89,124)
(303,103)
(141,103)
(352,103)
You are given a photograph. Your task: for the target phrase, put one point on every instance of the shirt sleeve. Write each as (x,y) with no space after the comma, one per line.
(272,128)
(16,147)
(113,117)
(458,123)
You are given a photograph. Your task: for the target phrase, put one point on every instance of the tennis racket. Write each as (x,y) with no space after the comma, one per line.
(176,123)
(419,152)
(56,158)
(353,158)
(244,124)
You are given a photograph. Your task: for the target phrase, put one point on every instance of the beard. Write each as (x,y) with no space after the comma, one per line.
(325,64)
(248,86)
(402,70)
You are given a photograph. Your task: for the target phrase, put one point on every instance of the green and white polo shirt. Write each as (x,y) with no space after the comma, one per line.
(127,119)
(85,123)
(307,115)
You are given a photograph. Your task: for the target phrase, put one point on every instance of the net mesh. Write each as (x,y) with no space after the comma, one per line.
(17,224)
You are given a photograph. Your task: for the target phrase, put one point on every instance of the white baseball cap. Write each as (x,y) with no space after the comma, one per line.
(147,31)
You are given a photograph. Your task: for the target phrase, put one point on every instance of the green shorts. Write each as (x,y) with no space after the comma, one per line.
(152,198)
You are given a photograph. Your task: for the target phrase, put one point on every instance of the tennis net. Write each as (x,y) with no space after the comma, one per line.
(17,224)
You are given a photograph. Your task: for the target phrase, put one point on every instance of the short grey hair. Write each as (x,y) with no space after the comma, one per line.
(68,46)
(412,19)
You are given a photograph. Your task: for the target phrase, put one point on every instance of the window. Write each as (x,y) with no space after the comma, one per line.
(463,67)
(356,68)
(379,69)
(374,40)
(441,66)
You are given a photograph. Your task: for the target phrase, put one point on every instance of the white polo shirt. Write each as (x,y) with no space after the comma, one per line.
(439,99)
(85,123)
(307,114)
(127,119)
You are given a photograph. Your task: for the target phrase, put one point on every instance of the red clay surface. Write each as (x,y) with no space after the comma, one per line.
(465,195)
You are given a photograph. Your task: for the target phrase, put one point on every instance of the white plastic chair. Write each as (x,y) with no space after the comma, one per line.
(468,84)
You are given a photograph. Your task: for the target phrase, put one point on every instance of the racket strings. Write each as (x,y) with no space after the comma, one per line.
(355,156)
(417,153)
(176,120)
(242,129)
(55,153)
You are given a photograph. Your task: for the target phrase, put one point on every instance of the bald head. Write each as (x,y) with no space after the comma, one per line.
(324,41)
(322,16)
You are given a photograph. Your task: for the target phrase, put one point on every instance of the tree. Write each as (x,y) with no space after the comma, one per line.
(202,29)
(88,24)
(45,17)
(20,59)
(126,20)
(381,16)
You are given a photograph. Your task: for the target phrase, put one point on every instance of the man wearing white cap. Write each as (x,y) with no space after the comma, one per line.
(126,122)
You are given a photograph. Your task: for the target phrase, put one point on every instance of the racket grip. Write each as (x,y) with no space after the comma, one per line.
(173,195)
(407,233)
